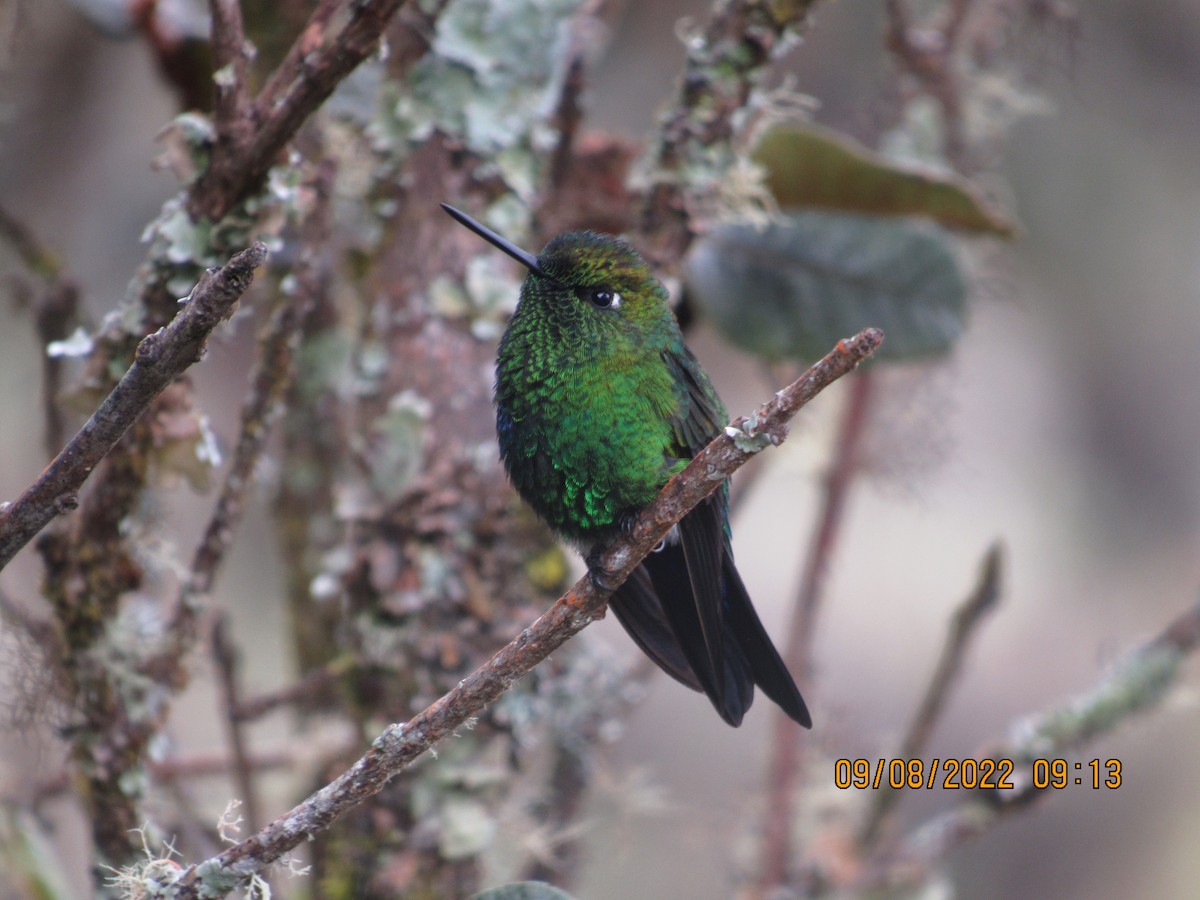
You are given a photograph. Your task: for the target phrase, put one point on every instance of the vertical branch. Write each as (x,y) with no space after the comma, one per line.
(225,656)
(928,54)
(57,311)
(837,488)
(784,769)
(724,64)
(231,99)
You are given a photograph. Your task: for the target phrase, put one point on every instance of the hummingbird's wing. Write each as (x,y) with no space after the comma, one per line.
(695,613)
(698,607)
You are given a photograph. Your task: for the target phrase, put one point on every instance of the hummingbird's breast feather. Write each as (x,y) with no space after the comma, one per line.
(588,442)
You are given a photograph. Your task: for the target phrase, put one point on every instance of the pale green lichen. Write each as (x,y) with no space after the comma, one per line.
(746,439)
(492,79)
(397,449)
(455,793)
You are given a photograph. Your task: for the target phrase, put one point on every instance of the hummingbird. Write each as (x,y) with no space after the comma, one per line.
(598,403)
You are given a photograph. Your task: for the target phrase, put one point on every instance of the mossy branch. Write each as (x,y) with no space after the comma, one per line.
(401,744)
(725,63)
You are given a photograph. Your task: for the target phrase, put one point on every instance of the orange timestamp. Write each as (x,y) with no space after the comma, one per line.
(974,774)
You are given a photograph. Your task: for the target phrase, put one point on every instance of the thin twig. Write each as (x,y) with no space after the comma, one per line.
(177,768)
(36,255)
(311,684)
(928,53)
(966,621)
(837,488)
(272,377)
(225,657)
(783,771)
(55,313)
(231,99)
(400,744)
(161,357)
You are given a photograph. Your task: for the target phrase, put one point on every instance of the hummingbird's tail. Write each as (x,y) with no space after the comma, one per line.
(687,609)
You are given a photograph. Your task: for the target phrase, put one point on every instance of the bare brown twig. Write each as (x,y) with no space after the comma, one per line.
(928,54)
(783,772)
(161,358)
(231,101)
(225,656)
(967,618)
(400,744)
(313,682)
(55,312)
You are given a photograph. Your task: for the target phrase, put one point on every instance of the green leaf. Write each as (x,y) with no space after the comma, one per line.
(793,289)
(810,167)
(522,890)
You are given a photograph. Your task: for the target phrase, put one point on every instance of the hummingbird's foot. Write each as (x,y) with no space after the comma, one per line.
(601,578)
(627,521)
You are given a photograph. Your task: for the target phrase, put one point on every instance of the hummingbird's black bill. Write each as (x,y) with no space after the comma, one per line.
(522,256)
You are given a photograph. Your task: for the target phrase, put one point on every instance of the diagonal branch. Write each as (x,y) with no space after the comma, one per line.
(1136,685)
(966,621)
(161,358)
(402,743)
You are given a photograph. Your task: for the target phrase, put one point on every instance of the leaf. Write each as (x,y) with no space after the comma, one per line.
(522,890)
(796,287)
(810,167)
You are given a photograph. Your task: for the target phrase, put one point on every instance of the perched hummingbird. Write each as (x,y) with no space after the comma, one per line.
(598,403)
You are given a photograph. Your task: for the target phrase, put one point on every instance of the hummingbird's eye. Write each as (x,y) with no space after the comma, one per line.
(604,298)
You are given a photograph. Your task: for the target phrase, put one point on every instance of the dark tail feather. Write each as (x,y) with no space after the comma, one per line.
(668,574)
(730,689)
(637,608)
(769,670)
(659,609)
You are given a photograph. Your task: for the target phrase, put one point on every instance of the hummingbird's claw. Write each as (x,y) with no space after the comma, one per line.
(601,578)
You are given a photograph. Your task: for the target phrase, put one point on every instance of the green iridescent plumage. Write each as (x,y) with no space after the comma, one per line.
(598,403)
(594,408)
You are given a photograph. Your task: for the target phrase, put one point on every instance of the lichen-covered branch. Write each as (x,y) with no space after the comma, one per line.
(161,358)
(400,744)
(724,65)
(247,145)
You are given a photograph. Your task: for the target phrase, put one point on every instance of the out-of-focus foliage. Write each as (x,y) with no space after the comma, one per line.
(793,288)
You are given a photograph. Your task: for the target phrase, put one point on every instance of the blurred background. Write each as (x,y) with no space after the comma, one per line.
(1066,424)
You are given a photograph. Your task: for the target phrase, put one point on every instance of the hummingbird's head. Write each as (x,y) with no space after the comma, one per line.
(595,281)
